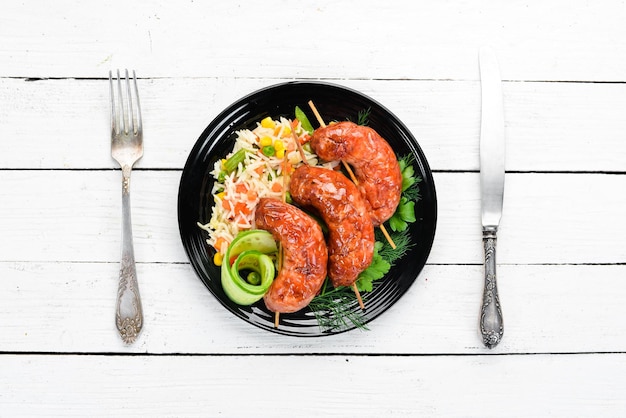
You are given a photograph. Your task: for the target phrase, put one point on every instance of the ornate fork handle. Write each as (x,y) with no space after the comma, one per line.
(129,314)
(491,324)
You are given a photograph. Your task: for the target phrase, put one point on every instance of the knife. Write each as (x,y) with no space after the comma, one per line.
(491,189)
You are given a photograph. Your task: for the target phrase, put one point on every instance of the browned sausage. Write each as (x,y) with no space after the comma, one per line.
(351,232)
(375,164)
(305,256)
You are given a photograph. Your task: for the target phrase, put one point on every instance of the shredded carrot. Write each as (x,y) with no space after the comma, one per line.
(226,204)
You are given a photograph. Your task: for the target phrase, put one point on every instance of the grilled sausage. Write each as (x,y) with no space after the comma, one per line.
(305,256)
(339,203)
(375,164)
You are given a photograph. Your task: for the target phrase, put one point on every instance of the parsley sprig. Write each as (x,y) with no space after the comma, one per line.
(405,213)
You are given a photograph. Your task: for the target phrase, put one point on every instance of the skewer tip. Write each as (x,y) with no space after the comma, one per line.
(358,296)
(317,114)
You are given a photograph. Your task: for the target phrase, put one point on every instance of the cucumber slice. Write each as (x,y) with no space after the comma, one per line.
(249,249)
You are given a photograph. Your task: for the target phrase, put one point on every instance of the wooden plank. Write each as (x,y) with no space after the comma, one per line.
(549,126)
(76,216)
(198,39)
(555,386)
(69,307)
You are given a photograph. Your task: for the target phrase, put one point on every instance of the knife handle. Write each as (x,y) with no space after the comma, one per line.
(491,326)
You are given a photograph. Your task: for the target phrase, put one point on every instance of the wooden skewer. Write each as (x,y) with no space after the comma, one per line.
(299,145)
(317,114)
(276,319)
(351,173)
(386,234)
(358,296)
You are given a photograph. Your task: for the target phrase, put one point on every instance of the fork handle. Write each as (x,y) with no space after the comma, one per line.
(491,324)
(128,312)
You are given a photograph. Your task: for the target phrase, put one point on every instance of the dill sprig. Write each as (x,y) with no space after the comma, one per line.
(412,193)
(335,310)
(363,116)
(403,245)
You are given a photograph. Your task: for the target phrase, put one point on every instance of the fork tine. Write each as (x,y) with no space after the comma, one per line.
(139,125)
(122,118)
(113,115)
(129,98)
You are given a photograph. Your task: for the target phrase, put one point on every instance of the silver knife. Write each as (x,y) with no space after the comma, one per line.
(491,189)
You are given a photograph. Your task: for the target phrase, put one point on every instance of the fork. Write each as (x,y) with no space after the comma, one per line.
(126,149)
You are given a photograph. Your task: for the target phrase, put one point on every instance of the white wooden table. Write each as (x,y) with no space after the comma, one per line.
(562,242)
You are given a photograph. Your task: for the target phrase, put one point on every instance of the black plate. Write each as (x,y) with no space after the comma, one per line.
(334,103)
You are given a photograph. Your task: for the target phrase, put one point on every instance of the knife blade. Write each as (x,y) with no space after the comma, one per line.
(492,161)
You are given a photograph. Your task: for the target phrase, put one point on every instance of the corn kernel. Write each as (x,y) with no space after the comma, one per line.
(221,195)
(223,162)
(278,144)
(286,131)
(265,141)
(267,122)
(280,153)
(218,258)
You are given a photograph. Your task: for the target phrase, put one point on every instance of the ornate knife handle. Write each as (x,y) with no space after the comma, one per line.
(128,312)
(491,325)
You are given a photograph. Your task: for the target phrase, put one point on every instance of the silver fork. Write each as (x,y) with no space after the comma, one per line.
(126,149)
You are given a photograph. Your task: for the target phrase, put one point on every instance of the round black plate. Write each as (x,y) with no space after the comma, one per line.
(334,103)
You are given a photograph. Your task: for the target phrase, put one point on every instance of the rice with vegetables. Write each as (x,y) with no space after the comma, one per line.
(254,169)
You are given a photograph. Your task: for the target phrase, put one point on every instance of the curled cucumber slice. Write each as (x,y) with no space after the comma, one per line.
(249,255)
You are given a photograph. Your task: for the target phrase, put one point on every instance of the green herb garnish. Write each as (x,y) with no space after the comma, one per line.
(403,245)
(405,212)
(363,116)
(335,309)
(375,271)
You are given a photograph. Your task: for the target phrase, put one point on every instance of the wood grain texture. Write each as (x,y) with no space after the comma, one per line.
(69,308)
(549,126)
(181,386)
(329,39)
(76,216)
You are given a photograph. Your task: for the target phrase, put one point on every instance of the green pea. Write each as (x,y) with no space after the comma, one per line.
(268,151)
